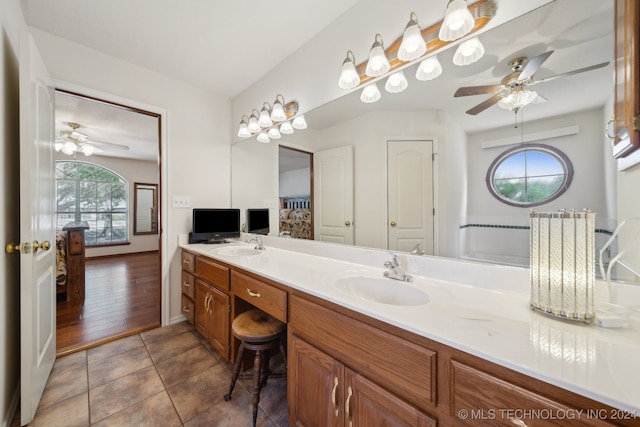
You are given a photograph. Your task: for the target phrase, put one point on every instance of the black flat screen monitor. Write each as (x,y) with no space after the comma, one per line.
(258,221)
(214,225)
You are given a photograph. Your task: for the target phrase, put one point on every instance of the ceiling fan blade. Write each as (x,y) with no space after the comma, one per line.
(569,73)
(484,105)
(533,65)
(109,145)
(477,90)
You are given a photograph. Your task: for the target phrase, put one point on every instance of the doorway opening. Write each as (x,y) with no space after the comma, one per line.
(295,193)
(120,267)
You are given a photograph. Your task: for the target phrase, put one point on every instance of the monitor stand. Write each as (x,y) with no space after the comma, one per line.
(215,241)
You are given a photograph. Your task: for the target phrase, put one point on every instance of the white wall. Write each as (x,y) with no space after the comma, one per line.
(11,23)
(132,171)
(197,122)
(294,182)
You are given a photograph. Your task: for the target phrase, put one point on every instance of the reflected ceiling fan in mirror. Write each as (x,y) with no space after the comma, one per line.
(71,142)
(512,93)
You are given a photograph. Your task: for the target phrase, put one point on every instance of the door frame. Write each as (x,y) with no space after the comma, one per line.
(163,193)
(435,172)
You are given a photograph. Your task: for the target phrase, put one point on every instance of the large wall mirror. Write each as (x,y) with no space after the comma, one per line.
(467,221)
(145,208)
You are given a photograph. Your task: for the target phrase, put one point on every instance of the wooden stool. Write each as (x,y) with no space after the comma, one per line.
(261,333)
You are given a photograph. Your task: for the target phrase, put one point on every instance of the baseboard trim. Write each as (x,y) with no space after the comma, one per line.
(13,407)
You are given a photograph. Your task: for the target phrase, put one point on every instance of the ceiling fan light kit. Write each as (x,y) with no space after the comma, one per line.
(415,45)
(73,142)
(271,122)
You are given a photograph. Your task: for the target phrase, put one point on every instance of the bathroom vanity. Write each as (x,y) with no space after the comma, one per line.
(431,352)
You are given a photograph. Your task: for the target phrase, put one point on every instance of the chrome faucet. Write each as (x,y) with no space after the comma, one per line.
(417,250)
(286,234)
(395,270)
(259,246)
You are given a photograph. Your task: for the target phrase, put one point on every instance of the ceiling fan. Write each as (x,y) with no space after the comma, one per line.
(511,93)
(71,142)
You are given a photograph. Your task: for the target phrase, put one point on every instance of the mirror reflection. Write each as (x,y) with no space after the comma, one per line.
(408,173)
(145,208)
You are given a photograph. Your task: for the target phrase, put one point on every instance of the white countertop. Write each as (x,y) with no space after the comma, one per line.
(496,325)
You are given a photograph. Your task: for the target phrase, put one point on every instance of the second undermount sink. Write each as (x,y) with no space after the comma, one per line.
(234,251)
(381,290)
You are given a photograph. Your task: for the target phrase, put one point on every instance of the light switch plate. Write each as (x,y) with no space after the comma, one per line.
(181,202)
(268,203)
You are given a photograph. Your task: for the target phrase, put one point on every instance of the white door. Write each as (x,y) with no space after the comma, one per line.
(410,195)
(333,195)
(37,271)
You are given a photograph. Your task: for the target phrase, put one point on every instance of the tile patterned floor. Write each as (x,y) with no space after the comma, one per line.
(163,377)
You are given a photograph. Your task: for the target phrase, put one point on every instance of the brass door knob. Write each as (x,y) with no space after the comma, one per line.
(45,246)
(347,223)
(24,248)
(392,223)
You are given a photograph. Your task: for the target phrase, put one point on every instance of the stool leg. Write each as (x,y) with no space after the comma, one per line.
(236,372)
(264,374)
(257,369)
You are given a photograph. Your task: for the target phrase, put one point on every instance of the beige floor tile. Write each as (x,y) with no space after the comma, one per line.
(160,334)
(72,412)
(112,397)
(154,411)
(236,412)
(167,348)
(200,392)
(185,365)
(114,348)
(68,378)
(105,370)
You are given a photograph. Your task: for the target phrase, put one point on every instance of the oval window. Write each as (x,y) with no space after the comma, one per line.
(529,175)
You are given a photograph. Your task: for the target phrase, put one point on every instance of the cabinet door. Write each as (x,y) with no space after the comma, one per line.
(366,404)
(315,386)
(219,312)
(203,296)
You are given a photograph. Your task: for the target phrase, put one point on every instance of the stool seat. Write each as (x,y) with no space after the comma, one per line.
(256,326)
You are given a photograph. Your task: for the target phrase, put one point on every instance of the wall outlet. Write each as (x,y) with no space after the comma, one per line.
(181,202)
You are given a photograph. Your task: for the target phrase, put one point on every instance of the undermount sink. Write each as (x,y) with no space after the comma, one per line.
(237,251)
(381,290)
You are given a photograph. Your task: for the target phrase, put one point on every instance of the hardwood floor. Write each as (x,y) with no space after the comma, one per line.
(122,298)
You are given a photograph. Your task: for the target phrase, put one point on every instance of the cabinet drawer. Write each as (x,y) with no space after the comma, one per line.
(212,273)
(504,403)
(188,285)
(260,294)
(188,262)
(188,309)
(402,367)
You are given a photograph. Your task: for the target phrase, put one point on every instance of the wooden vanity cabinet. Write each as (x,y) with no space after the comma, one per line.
(346,372)
(188,285)
(212,316)
(324,392)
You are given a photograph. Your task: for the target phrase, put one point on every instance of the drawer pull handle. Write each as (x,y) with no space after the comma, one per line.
(186,261)
(346,405)
(333,395)
(186,309)
(253,294)
(187,284)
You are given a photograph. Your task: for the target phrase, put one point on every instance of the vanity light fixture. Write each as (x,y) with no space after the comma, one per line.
(253,125)
(243,130)
(517,99)
(286,128)
(349,77)
(370,94)
(265,116)
(458,21)
(396,82)
(378,63)
(413,45)
(274,133)
(299,122)
(468,52)
(277,112)
(263,137)
(429,69)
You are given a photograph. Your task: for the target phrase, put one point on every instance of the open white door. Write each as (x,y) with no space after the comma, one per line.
(37,219)
(410,195)
(333,195)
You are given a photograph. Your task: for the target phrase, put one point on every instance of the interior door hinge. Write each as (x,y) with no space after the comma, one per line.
(636,123)
(433,157)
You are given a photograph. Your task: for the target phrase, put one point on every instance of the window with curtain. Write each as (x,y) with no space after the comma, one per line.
(91,193)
